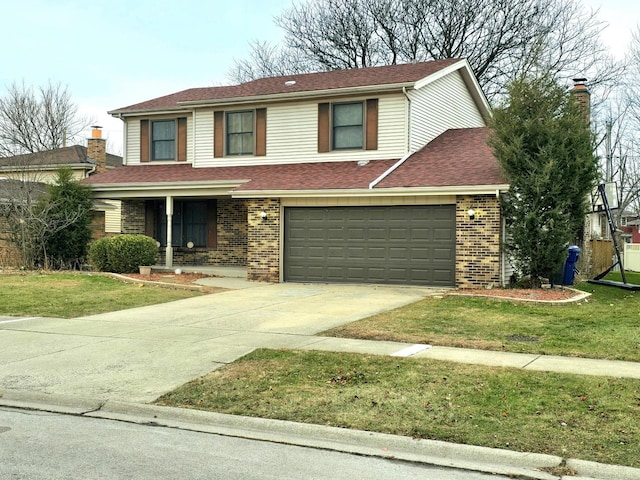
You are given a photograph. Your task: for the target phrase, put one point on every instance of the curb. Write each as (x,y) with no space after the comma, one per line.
(463,457)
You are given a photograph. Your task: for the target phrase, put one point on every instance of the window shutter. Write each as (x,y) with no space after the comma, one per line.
(218,134)
(144,140)
(261,132)
(212,227)
(371,140)
(323,128)
(182,139)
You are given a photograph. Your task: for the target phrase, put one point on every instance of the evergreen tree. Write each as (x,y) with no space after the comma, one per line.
(542,141)
(68,204)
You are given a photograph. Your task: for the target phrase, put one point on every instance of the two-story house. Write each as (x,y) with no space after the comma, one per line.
(375,175)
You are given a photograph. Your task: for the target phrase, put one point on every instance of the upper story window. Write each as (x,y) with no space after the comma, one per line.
(347,126)
(240,133)
(163,140)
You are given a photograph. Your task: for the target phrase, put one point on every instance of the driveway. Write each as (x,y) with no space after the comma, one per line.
(138,354)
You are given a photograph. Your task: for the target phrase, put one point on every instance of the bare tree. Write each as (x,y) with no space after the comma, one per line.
(33,120)
(267,60)
(32,216)
(38,119)
(502,39)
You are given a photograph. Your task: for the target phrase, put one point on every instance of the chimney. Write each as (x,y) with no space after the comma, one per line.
(97,149)
(583,97)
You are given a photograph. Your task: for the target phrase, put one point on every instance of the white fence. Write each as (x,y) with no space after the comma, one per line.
(632,256)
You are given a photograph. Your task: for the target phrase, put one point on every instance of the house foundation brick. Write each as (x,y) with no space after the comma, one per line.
(133,213)
(263,257)
(231,225)
(478,242)
(9,255)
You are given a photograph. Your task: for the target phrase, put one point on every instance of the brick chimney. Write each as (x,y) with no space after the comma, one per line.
(583,97)
(97,149)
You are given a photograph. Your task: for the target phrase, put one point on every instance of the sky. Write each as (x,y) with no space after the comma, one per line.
(115,53)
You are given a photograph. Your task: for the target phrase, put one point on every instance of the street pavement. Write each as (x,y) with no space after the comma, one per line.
(111,365)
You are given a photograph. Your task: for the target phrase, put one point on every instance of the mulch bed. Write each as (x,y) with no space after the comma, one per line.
(536,294)
(182,279)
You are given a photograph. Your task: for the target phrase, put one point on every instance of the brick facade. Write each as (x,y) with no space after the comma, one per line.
(133,214)
(231,225)
(245,238)
(263,257)
(478,241)
(9,256)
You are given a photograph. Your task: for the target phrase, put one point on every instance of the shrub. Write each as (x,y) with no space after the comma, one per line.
(123,253)
(98,255)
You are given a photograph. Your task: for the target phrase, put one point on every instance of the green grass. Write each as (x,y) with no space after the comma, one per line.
(606,326)
(570,416)
(68,295)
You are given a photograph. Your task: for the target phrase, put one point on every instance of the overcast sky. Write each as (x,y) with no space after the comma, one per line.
(115,53)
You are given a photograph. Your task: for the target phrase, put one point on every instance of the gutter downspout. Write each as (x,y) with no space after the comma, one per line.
(407,118)
(124,139)
(408,147)
(193,137)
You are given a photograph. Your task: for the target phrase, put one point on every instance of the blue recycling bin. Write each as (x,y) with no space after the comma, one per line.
(573,254)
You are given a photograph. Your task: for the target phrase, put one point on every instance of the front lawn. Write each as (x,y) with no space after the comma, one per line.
(68,295)
(606,326)
(571,416)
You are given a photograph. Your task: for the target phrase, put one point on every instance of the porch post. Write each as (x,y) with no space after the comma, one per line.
(168,259)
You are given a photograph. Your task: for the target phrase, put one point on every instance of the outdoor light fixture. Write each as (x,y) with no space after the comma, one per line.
(263,214)
(472,213)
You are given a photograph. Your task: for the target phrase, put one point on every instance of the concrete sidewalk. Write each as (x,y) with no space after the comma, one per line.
(545,363)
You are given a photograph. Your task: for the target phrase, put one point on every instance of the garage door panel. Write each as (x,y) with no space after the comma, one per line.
(387,244)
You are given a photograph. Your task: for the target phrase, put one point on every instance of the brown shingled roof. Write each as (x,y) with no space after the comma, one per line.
(457,157)
(76,154)
(300,176)
(386,75)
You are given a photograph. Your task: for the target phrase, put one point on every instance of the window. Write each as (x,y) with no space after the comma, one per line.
(347,123)
(240,133)
(163,140)
(190,223)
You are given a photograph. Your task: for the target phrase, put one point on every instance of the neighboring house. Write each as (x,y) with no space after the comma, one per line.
(376,175)
(33,171)
(630,227)
(42,166)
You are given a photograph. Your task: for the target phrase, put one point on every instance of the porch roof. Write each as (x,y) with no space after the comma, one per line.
(457,158)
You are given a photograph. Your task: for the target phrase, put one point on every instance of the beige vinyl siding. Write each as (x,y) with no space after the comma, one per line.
(113,216)
(132,153)
(203,137)
(292,135)
(439,106)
